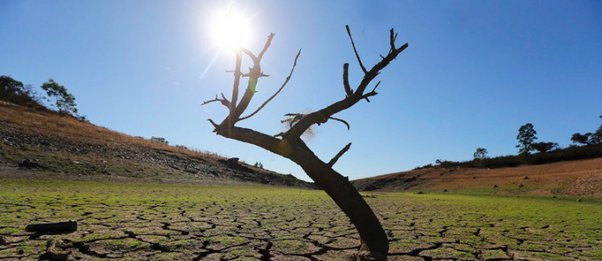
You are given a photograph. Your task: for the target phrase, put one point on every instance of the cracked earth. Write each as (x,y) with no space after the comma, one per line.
(190,223)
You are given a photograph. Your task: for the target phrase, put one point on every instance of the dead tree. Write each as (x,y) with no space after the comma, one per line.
(374,242)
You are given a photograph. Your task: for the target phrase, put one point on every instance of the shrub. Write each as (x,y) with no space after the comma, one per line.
(14,91)
(159,140)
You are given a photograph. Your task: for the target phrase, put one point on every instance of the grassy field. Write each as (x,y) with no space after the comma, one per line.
(183,222)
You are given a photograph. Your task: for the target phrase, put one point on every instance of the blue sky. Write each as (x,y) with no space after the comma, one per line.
(474,72)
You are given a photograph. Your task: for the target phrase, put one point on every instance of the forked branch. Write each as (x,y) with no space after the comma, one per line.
(277,92)
(392,38)
(266,46)
(253,77)
(371,93)
(352,97)
(222,100)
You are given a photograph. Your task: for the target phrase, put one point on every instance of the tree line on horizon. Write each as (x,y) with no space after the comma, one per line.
(584,146)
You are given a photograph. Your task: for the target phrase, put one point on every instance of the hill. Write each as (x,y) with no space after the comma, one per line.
(36,141)
(575,178)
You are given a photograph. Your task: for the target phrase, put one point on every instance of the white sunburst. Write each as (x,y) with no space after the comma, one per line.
(230,29)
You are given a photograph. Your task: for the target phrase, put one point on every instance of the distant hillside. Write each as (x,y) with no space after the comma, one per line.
(576,178)
(35,139)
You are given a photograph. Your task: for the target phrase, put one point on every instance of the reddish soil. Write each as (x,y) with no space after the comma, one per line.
(577,178)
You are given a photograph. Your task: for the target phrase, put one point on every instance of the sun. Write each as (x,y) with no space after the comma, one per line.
(230,29)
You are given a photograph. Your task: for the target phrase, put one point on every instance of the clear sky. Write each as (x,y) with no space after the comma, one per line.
(474,72)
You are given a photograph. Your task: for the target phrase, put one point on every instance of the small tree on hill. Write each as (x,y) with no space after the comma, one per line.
(374,243)
(543,147)
(63,100)
(525,137)
(479,155)
(258,165)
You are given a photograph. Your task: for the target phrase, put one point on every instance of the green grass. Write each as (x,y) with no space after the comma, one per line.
(134,220)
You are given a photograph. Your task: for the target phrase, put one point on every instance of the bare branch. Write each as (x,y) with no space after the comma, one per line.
(266,46)
(357,55)
(250,54)
(376,86)
(213,123)
(245,75)
(251,136)
(254,75)
(224,97)
(348,90)
(223,101)
(324,114)
(237,75)
(371,93)
(342,121)
(392,37)
(339,155)
(393,53)
(277,92)
(293,114)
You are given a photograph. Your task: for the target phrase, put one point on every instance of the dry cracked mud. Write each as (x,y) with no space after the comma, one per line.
(287,224)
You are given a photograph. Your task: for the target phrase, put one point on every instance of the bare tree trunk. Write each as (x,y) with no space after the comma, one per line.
(374,242)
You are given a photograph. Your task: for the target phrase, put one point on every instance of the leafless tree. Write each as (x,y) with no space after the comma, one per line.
(374,242)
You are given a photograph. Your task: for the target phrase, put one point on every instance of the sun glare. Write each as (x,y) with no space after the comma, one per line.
(230,29)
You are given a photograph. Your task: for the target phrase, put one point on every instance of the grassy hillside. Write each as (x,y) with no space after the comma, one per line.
(577,178)
(42,141)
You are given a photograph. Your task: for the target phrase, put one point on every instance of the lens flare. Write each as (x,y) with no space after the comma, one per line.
(230,29)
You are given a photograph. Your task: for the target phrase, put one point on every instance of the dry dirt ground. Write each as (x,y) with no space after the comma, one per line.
(62,144)
(577,178)
(129,221)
